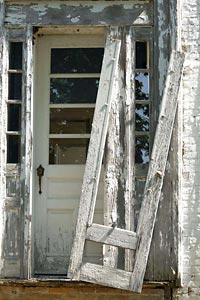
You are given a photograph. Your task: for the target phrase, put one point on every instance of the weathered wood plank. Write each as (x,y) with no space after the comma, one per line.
(157,168)
(112,236)
(112,159)
(157,267)
(3,129)
(17,34)
(129,140)
(74,13)
(105,275)
(95,152)
(27,151)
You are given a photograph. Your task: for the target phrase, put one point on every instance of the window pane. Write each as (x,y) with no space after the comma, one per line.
(15,86)
(71,120)
(142,117)
(76,60)
(73,90)
(14,117)
(142,149)
(15,56)
(68,151)
(141,55)
(13,148)
(141,86)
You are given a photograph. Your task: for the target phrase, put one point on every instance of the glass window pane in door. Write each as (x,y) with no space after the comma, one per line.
(68,151)
(76,60)
(73,90)
(71,120)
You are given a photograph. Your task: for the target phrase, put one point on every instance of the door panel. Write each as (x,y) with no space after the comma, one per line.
(63,108)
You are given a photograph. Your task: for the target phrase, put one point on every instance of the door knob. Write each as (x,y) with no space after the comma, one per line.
(40,173)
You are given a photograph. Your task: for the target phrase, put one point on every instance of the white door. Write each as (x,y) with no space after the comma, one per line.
(67,69)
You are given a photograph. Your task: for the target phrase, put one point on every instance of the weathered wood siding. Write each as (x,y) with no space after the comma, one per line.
(74,13)
(163,259)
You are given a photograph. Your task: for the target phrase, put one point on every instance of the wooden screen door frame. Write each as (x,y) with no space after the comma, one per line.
(41,125)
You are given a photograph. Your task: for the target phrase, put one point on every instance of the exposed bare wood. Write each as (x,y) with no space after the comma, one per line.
(89,13)
(95,152)
(112,160)
(105,275)
(129,141)
(157,168)
(112,236)
(25,175)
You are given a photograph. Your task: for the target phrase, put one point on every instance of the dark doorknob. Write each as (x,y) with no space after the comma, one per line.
(40,173)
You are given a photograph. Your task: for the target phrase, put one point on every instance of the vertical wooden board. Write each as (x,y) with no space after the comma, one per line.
(3,92)
(111,177)
(156,168)
(27,151)
(162,239)
(129,140)
(95,152)
(114,186)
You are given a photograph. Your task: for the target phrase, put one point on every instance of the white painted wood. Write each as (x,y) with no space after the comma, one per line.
(75,75)
(95,152)
(25,172)
(112,236)
(112,159)
(55,210)
(156,170)
(129,139)
(74,13)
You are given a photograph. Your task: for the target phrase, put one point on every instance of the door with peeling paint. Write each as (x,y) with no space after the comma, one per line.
(67,71)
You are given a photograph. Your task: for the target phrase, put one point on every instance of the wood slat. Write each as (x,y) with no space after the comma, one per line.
(105,276)
(89,13)
(95,152)
(156,170)
(112,236)
(129,141)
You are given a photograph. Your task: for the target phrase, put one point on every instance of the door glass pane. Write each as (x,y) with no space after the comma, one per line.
(68,151)
(76,60)
(142,86)
(71,120)
(73,90)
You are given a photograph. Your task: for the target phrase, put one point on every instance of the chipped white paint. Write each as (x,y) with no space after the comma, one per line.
(3,95)
(75,20)
(86,13)
(190,208)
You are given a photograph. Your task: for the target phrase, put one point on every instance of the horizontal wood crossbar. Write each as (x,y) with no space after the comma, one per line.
(112,236)
(105,275)
(74,13)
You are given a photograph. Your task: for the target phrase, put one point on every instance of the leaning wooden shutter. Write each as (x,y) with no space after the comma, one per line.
(85,228)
